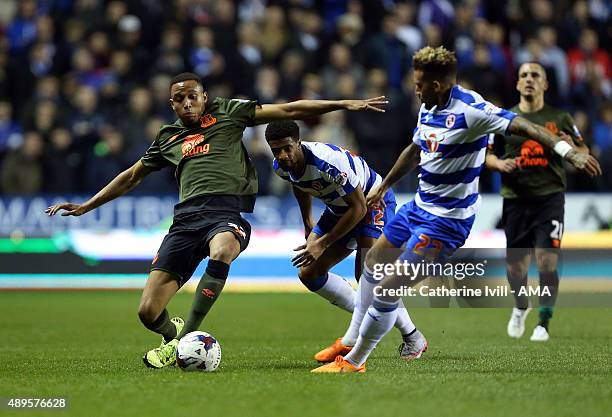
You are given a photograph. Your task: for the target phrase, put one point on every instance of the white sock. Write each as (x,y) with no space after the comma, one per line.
(375,325)
(404,323)
(363,300)
(338,292)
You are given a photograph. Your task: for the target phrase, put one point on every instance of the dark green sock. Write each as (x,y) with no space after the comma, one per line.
(209,289)
(163,326)
(545,314)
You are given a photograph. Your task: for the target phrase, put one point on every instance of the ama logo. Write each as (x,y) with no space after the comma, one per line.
(532,155)
(192,146)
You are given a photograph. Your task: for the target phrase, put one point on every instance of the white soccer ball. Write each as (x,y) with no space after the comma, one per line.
(198,351)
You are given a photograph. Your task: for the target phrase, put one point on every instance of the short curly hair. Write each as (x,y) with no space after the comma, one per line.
(282,129)
(435,61)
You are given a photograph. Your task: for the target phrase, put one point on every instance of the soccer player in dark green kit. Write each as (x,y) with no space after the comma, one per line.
(533,186)
(217,181)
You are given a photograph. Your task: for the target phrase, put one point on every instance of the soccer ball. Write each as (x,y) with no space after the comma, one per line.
(198,351)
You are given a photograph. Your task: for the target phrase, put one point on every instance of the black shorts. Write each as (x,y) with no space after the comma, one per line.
(186,243)
(534,223)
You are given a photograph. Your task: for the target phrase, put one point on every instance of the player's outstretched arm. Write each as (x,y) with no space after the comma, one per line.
(314,248)
(302,109)
(121,184)
(407,161)
(582,161)
(305,202)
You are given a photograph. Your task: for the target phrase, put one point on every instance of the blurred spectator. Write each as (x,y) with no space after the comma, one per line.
(84,120)
(44,119)
(292,71)
(21,171)
(588,49)
(554,57)
(107,159)
(332,129)
(135,117)
(436,12)
(267,84)
(307,37)
(406,31)
(274,36)
(489,80)
(350,33)
(602,131)
(340,62)
(22,30)
(387,51)
(202,52)
(10,130)
(60,163)
(160,96)
(379,135)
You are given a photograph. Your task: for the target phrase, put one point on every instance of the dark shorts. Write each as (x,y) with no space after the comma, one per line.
(534,223)
(186,243)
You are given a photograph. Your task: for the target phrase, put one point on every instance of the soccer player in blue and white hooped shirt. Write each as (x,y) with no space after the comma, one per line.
(449,145)
(341,180)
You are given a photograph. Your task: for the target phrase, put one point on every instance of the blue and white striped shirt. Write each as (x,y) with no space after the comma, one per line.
(453,143)
(331,173)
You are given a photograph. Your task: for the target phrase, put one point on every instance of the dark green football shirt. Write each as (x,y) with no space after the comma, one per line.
(210,159)
(540,170)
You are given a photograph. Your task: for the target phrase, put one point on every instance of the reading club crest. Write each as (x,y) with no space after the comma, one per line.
(450,121)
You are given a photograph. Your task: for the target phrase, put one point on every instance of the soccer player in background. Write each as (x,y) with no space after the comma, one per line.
(533,186)
(217,181)
(341,180)
(450,141)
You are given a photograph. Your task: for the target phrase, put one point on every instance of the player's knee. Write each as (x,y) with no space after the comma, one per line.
(308,274)
(225,252)
(547,265)
(147,313)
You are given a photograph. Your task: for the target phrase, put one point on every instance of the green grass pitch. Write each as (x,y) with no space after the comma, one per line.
(87,347)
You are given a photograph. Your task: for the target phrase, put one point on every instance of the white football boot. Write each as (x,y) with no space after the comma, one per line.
(516,325)
(540,334)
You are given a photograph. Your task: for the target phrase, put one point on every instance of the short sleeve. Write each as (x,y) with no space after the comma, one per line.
(488,118)
(153,158)
(569,127)
(343,176)
(241,111)
(415,137)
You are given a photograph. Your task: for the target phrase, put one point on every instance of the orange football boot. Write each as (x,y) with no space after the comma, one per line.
(340,365)
(329,353)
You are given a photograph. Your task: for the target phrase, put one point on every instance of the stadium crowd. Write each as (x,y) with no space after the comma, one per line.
(84,83)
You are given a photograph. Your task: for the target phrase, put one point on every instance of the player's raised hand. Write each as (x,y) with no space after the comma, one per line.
(70,209)
(376,197)
(584,162)
(375,104)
